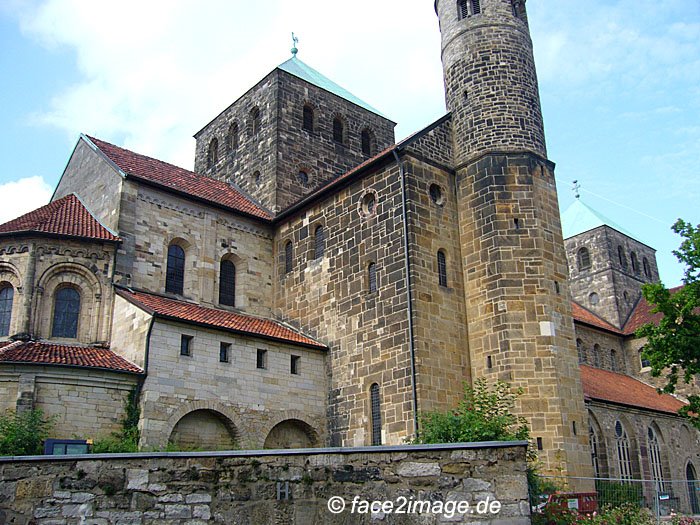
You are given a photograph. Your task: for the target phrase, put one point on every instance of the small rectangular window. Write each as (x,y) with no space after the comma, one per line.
(186,345)
(294,364)
(261,361)
(224,352)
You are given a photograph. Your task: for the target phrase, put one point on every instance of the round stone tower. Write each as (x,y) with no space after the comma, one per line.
(490,79)
(513,260)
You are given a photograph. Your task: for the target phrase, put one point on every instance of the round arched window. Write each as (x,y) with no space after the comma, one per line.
(436,194)
(303,177)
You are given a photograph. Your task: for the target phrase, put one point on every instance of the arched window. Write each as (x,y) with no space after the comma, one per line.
(621,255)
(467,8)
(372,277)
(376,414)
(7,294)
(635,262)
(366,142)
(338,130)
(584,259)
(175,273)
(595,457)
(647,268)
(227,283)
(613,360)
(655,459)
(319,242)
(579,349)
(622,443)
(596,355)
(254,125)
(66,312)
(442,268)
(232,138)
(308,118)
(643,362)
(288,261)
(213,154)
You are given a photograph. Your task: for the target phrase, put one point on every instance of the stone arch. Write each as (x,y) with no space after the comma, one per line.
(291,430)
(634,460)
(190,272)
(10,276)
(339,129)
(599,450)
(241,281)
(91,304)
(205,414)
(656,454)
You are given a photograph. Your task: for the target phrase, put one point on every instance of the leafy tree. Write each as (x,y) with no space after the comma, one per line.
(484,414)
(673,346)
(23,433)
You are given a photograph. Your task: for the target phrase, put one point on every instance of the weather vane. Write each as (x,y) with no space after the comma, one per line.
(575,188)
(295,41)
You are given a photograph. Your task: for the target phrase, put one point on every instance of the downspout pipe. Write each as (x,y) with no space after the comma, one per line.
(409,287)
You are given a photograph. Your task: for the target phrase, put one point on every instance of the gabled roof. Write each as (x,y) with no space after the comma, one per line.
(584,315)
(620,389)
(579,218)
(642,315)
(45,353)
(183,311)
(299,69)
(66,217)
(161,174)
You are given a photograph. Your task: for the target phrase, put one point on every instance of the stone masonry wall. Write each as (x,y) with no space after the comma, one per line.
(607,343)
(240,488)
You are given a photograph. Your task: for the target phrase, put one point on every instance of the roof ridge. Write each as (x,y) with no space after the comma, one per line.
(110,230)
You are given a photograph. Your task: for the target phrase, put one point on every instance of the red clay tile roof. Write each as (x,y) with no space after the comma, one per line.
(179,179)
(45,353)
(191,313)
(66,217)
(642,315)
(603,385)
(584,315)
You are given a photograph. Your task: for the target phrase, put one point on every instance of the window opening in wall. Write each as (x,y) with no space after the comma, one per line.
(516,223)
(647,268)
(579,348)
(319,242)
(288,259)
(308,118)
(436,194)
(255,121)
(655,459)
(584,259)
(540,444)
(489,362)
(294,363)
(593,439)
(635,262)
(557,289)
(186,345)
(596,355)
(175,272)
(257,179)
(227,283)
(261,359)
(372,277)
(66,313)
(338,130)
(232,141)
(376,415)
(366,142)
(369,204)
(644,362)
(573,427)
(224,352)
(621,256)
(622,443)
(593,298)
(213,154)
(613,360)
(7,294)
(303,177)
(442,268)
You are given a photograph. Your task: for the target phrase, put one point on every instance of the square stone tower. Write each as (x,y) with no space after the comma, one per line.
(518,303)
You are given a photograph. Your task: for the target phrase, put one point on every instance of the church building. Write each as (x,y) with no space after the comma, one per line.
(313,282)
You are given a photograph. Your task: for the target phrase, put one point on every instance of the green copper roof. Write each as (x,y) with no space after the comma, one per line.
(579,218)
(296,67)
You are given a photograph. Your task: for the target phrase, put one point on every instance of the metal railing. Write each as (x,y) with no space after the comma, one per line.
(663,498)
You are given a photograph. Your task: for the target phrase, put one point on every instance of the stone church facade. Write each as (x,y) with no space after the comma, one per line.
(312,282)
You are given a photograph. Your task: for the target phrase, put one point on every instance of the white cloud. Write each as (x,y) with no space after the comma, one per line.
(22,196)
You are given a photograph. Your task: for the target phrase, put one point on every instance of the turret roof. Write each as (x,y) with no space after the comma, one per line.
(580,217)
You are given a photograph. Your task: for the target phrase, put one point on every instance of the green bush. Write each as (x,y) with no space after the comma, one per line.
(484,414)
(23,434)
(126,440)
(615,493)
(625,514)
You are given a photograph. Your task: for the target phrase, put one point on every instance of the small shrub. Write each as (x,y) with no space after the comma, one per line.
(23,434)
(615,493)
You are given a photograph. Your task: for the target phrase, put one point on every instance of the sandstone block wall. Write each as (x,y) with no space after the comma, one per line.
(255,488)
(248,400)
(610,348)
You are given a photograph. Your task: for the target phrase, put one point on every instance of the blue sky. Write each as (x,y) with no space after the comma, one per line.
(619,82)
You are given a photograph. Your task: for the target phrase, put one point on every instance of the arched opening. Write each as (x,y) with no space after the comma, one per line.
(442,268)
(227,283)
(581,351)
(7,294)
(308,118)
(205,430)
(584,259)
(367,142)
(291,433)
(693,488)
(647,268)
(654,452)
(635,262)
(175,271)
(338,130)
(319,242)
(376,410)
(66,313)
(288,257)
(232,139)
(372,277)
(621,256)
(213,154)
(254,121)
(598,452)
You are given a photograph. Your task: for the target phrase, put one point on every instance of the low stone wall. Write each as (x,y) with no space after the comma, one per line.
(426,484)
